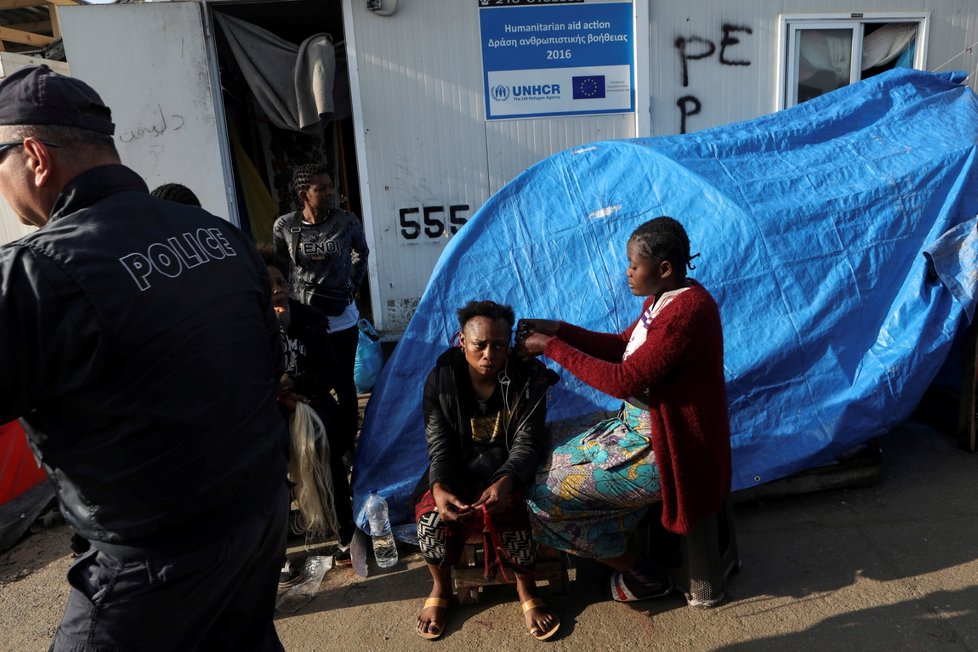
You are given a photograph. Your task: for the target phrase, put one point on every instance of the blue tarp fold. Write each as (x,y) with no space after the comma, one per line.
(838,238)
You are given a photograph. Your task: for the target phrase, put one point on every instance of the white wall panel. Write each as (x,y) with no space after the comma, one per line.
(730,93)
(425,138)
(152,65)
(514,145)
(421,99)
(714,92)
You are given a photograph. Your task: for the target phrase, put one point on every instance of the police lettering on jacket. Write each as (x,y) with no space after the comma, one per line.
(179,253)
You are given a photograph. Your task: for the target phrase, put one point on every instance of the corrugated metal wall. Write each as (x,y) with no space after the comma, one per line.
(744,85)
(427,143)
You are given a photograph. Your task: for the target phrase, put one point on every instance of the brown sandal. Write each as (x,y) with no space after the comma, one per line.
(439,603)
(536,632)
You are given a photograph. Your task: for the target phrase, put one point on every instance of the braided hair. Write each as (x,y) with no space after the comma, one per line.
(488,309)
(176,192)
(302,176)
(663,238)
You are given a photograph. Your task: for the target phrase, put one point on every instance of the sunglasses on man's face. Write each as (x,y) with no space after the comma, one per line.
(6,147)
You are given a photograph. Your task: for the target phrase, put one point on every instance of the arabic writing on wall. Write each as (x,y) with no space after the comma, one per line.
(162,123)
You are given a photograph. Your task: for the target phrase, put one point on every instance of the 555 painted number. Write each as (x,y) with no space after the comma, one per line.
(429,222)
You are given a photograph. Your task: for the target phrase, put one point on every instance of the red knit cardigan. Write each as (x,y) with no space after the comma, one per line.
(680,365)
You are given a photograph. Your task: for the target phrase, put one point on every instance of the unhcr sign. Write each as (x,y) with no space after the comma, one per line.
(557,58)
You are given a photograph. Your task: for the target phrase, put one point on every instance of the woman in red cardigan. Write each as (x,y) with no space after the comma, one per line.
(671,439)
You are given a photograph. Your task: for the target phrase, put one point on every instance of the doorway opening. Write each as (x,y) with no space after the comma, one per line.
(263,152)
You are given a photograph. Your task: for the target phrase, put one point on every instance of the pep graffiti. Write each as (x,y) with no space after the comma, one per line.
(696,48)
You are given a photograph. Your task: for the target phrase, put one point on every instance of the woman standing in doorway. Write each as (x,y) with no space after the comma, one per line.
(329,255)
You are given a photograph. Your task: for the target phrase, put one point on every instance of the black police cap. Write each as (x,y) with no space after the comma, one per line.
(37,95)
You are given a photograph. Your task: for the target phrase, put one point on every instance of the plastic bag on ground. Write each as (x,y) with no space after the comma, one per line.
(298,596)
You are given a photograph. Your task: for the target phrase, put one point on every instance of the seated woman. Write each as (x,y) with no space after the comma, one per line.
(484,412)
(312,368)
(671,439)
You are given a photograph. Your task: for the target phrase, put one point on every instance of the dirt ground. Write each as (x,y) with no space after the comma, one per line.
(891,567)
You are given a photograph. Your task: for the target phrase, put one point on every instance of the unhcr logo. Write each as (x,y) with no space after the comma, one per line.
(536,90)
(523,92)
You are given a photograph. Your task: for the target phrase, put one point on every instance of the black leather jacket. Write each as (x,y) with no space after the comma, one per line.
(447,421)
(138,344)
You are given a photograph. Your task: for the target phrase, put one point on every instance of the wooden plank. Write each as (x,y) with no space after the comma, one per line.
(11,61)
(55,22)
(465,577)
(863,469)
(11,35)
(39,27)
(20,4)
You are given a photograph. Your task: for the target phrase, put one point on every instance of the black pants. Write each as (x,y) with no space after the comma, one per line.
(220,596)
(341,439)
(344,345)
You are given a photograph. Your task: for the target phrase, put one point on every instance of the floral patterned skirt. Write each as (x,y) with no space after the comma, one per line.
(596,488)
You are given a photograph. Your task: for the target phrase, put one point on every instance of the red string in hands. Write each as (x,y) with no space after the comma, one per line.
(450,507)
(496,497)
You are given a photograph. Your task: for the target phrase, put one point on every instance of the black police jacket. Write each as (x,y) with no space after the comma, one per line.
(138,344)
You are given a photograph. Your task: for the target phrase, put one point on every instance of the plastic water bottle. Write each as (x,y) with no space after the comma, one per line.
(385,550)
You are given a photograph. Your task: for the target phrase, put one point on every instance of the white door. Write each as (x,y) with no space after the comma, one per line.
(152,65)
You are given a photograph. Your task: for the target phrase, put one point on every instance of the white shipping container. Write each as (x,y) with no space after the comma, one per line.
(417,155)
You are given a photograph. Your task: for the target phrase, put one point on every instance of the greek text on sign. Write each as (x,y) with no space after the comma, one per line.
(505,3)
(558,59)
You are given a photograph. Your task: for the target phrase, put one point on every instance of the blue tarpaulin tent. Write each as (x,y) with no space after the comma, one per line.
(838,238)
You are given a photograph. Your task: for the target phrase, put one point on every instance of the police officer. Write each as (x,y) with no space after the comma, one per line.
(138,347)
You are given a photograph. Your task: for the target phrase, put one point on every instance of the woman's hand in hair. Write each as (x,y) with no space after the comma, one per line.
(532,335)
(544,326)
(533,344)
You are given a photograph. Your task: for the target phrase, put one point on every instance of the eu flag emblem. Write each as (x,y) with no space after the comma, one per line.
(589,87)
